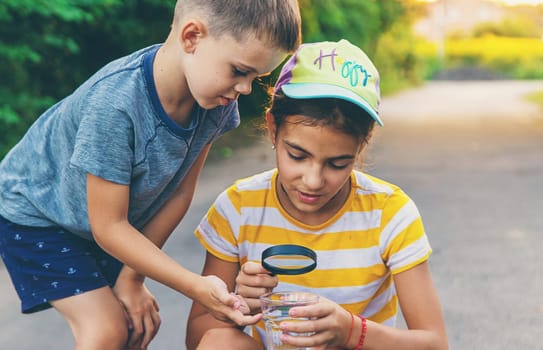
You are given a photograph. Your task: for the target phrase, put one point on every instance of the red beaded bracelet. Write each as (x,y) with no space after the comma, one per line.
(364,328)
(350,330)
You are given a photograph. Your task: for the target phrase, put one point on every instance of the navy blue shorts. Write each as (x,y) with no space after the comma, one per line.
(49,263)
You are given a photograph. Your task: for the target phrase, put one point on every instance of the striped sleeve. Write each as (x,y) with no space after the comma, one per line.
(219,229)
(403,240)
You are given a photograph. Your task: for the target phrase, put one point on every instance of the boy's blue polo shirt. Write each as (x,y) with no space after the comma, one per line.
(113,126)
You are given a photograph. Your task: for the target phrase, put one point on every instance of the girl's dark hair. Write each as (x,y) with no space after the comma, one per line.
(340,114)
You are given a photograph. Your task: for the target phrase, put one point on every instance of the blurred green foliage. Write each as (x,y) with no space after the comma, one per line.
(49,47)
(381,28)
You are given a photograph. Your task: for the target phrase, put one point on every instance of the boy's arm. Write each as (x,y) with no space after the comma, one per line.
(200,321)
(170,215)
(108,216)
(141,306)
(162,225)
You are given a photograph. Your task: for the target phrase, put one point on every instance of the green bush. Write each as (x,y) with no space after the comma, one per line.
(49,47)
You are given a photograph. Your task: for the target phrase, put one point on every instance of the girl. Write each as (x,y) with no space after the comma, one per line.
(371,247)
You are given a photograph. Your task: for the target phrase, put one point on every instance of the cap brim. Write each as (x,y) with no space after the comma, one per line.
(315,90)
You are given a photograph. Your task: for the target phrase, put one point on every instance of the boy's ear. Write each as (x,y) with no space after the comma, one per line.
(272,128)
(191,32)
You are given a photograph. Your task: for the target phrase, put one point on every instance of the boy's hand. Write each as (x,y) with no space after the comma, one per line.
(225,306)
(142,312)
(252,281)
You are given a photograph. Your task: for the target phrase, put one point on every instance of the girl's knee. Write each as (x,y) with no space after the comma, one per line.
(227,339)
(210,340)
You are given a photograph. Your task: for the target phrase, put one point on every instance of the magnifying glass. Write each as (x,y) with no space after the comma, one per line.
(289,259)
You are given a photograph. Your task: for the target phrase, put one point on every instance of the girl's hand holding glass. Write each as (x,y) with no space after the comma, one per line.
(329,323)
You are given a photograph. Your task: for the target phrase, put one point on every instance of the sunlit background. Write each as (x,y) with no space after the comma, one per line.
(48,48)
(476,181)
(506,2)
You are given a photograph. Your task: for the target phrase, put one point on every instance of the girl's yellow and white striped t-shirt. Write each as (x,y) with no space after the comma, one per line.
(377,233)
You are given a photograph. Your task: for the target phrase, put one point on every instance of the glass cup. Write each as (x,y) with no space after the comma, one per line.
(275,308)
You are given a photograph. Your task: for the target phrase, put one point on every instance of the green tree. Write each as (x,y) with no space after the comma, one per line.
(49,47)
(395,54)
(357,21)
(362,22)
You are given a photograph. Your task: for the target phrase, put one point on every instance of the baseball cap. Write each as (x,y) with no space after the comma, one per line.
(332,70)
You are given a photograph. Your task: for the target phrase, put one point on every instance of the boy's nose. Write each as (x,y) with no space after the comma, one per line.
(244,87)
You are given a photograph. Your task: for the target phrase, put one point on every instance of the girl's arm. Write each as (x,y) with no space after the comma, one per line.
(200,321)
(108,216)
(336,329)
(421,309)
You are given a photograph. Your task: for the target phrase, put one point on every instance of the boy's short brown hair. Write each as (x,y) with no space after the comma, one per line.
(276,21)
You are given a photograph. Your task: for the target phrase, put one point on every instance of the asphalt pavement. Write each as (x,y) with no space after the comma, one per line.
(469,153)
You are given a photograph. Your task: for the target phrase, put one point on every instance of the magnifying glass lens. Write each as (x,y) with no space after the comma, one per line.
(289,259)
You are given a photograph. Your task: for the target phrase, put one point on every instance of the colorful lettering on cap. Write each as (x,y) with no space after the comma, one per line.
(332,69)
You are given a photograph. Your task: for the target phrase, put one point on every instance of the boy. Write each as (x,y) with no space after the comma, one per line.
(93,190)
